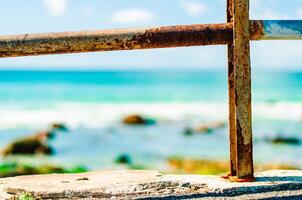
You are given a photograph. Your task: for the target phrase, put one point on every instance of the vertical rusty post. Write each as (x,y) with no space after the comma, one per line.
(242,81)
(231,77)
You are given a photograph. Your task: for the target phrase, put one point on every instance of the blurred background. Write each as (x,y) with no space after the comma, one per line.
(163,109)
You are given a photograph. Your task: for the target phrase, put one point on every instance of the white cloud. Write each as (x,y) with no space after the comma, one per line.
(265,14)
(267,9)
(88,10)
(56,8)
(194,8)
(268,14)
(257,3)
(133,15)
(277,54)
(299,13)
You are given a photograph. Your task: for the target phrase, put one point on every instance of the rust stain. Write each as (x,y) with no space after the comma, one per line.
(111,40)
(188,35)
(125,39)
(243,89)
(231,92)
(256,30)
(128,39)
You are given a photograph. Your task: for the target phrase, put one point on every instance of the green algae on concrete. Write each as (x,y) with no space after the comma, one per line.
(28,196)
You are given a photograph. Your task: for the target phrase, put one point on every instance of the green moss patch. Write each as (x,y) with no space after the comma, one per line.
(16,169)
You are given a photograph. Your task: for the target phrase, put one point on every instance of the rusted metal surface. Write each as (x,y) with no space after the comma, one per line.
(236,33)
(256,30)
(231,92)
(128,39)
(242,83)
(109,40)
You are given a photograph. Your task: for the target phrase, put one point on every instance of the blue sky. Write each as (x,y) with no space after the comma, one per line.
(30,16)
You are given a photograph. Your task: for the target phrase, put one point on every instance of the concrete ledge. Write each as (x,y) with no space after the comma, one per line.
(150,184)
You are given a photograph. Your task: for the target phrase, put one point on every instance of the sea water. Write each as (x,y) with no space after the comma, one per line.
(93,103)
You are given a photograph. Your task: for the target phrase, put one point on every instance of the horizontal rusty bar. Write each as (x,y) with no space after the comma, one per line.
(147,38)
(110,40)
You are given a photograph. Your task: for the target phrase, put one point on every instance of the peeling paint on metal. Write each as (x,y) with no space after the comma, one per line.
(282,29)
(243,89)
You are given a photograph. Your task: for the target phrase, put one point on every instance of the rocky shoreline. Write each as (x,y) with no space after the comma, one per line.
(38,144)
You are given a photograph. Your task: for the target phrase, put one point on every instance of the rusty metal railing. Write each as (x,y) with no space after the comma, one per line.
(147,38)
(236,34)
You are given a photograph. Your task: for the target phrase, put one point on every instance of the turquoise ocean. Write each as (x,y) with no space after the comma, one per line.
(93,103)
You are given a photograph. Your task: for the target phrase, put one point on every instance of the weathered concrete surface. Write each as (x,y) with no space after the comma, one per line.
(151,185)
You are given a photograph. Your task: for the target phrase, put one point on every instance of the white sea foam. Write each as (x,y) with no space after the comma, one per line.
(100,114)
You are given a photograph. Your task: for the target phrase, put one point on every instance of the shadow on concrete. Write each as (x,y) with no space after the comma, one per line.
(280,179)
(294,197)
(286,190)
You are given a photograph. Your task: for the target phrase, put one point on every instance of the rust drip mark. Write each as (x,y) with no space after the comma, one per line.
(243,106)
(242,89)
(256,30)
(243,127)
(244,150)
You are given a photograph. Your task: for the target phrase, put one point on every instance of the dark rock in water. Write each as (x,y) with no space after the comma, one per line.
(203,129)
(137,120)
(134,120)
(58,127)
(285,140)
(209,127)
(44,135)
(188,131)
(123,159)
(27,146)
(150,121)
(34,144)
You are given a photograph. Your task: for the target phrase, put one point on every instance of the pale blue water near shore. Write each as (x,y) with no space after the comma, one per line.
(93,103)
